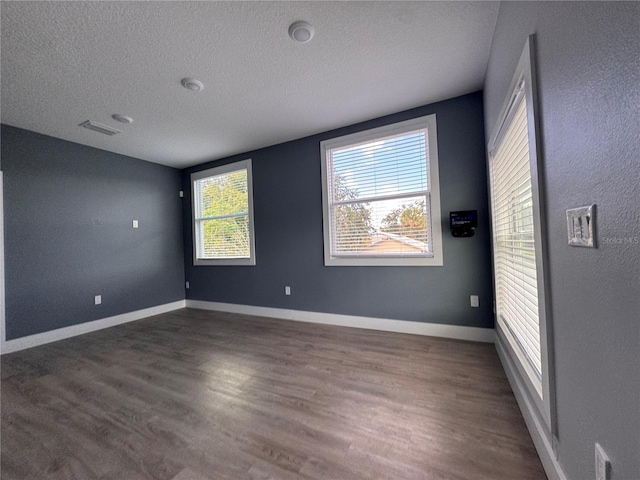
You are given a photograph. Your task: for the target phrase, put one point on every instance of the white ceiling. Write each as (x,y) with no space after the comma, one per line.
(67,62)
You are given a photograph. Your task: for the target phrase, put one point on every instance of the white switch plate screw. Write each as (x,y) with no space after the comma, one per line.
(97,299)
(287,290)
(475,300)
(135,224)
(603,465)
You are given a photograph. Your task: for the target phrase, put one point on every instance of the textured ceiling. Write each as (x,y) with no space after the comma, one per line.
(67,62)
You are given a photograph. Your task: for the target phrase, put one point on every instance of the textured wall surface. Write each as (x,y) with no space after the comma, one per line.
(69,236)
(289,241)
(588,56)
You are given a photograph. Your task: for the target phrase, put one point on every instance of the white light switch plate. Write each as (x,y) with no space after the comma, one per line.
(97,299)
(603,465)
(581,223)
(135,224)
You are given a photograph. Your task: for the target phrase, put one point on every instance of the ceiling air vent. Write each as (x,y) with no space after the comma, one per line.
(97,127)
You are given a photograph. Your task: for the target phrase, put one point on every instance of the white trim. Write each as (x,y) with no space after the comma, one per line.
(528,409)
(8,346)
(458,332)
(2,309)
(435,259)
(543,394)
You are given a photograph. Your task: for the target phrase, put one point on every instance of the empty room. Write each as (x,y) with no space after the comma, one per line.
(320,240)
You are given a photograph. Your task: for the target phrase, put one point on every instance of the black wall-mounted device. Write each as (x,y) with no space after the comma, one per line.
(463,223)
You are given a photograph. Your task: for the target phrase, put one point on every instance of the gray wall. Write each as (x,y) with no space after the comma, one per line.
(68,233)
(288,221)
(589,79)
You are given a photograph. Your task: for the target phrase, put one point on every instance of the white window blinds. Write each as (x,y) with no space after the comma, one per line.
(223,227)
(379,197)
(513,232)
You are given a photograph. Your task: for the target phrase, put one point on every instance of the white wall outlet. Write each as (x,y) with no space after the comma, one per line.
(475,300)
(287,290)
(97,299)
(581,224)
(181,194)
(186,285)
(603,465)
(135,224)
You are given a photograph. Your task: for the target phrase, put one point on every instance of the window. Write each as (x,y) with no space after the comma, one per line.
(517,235)
(223,215)
(381,196)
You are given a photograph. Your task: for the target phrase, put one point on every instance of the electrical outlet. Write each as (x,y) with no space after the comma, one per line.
(135,224)
(475,300)
(603,465)
(181,194)
(97,299)
(186,285)
(287,290)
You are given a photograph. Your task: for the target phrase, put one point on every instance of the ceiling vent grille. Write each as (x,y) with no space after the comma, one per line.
(97,127)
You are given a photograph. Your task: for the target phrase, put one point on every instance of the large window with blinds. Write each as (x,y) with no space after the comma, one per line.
(517,234)
(513,232)
(223,215)
(381,196)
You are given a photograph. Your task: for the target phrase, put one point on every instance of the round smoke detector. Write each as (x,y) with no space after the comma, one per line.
(192,84)
(122,118)
(301,32)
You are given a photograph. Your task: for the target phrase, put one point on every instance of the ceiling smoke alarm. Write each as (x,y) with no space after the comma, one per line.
(301,32)
(192,84)
(121,118)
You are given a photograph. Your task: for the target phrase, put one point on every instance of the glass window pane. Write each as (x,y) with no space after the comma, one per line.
(395,165)
(382,227)
(223,194)
(224,238)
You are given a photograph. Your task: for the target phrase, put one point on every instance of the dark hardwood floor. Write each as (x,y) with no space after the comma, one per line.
(194,395)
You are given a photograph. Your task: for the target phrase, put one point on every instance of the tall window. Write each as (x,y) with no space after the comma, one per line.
(513,231)
(381,196)
(223,215)
(517,235)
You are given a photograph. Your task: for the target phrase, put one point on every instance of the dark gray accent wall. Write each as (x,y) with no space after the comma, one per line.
(588,56)
(289,240)
(68,212)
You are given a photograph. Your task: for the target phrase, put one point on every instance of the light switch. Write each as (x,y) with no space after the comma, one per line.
(581,224)
(135,224)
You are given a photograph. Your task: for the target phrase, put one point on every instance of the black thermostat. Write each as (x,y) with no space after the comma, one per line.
(463,223)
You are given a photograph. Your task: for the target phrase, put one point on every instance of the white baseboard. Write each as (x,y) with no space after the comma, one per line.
(399,326)
(22,343)
(538,433)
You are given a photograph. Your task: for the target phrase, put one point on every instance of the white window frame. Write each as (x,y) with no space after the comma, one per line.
(212,172)
(540,389)
(435,257)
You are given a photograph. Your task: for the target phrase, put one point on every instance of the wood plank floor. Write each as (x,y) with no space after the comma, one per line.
(194,395)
